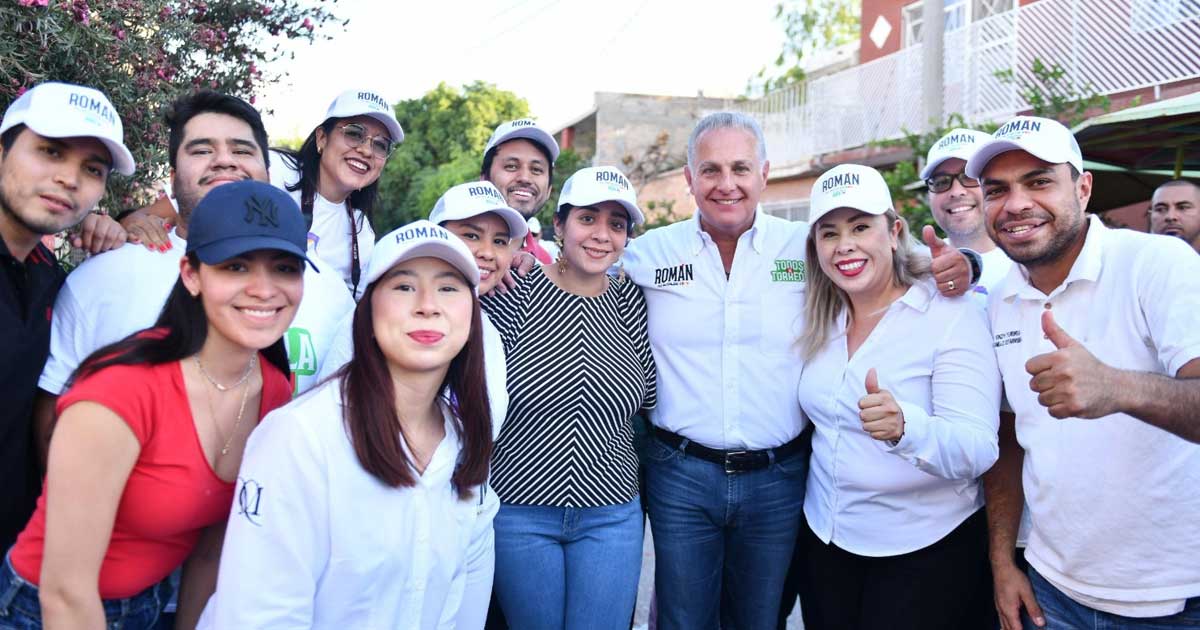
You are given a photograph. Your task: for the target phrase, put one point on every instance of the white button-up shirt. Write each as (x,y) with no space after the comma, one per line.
(728,364)
(934,355)
(315,541)
(1114,500)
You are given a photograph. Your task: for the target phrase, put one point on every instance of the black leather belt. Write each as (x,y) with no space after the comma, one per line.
(736,461)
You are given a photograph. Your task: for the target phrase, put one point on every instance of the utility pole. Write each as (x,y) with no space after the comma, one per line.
(932,25)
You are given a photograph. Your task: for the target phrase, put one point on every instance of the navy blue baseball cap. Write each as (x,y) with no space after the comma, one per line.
(245,216)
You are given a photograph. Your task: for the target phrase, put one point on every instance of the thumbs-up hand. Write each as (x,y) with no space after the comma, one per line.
(880,414)
(1071,382)
(949,266)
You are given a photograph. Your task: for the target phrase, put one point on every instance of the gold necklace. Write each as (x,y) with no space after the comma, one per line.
(241,408)
(225,388)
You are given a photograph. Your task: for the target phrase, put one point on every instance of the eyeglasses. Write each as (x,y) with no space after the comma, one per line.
(355,135)
(941,183)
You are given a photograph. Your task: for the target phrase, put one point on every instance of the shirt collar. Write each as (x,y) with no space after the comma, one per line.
(700,238)
(1086,267)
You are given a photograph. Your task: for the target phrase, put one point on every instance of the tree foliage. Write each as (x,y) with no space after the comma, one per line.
(1051,94)
(808,26)
(445,132)
(145,53)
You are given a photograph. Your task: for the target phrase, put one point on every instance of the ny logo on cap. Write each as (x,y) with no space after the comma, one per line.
(261,210)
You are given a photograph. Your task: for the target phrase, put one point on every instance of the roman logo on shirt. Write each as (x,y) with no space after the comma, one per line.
(1007,338)
(302,355)
(788,270)
(674,276)
(249,497)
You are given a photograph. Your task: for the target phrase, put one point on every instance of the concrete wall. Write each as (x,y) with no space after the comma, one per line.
(667,187)
(627,124)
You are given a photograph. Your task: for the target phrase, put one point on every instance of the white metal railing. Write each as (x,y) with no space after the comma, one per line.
(1110,45)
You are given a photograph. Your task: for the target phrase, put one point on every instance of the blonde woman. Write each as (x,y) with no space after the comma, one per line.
(903,390)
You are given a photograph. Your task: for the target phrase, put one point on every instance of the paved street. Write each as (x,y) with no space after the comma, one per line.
(642,613)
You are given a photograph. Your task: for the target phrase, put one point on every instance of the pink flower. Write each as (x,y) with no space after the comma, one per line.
(266,10)
(308,24)
(120,33)
(25,89)
(252,98)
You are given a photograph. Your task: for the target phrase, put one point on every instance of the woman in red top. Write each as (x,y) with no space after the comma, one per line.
(150,436)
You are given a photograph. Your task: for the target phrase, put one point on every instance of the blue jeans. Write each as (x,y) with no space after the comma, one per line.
(568,568)
(21,610)
(1064,613)
(722,541)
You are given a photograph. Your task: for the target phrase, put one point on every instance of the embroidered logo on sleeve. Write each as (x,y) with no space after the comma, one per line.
(1007,338)
(681,275)
(788,271)
(249,496)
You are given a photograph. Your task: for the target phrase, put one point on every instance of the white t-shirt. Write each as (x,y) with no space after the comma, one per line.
(117,293)
(1114,500)
(329,235)
(341,352)
(996,265)
(315,541)
(934,355)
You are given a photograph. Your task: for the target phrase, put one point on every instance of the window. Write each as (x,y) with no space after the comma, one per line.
(959,13)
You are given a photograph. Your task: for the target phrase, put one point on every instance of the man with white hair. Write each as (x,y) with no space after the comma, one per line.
(726,470)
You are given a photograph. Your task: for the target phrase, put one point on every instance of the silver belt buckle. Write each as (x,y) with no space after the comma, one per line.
(729,462)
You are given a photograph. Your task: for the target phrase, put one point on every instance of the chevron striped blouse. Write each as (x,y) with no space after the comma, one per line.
(578,369)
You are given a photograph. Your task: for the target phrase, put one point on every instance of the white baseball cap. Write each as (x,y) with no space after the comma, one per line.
(525,128)
(64,110)
(1045,139)
(362,103)
(473,199)
(417,240)
(590,186)
(958,143)
(849,186)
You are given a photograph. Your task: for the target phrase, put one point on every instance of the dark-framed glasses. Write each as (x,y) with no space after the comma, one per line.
(356,134)
(942,182)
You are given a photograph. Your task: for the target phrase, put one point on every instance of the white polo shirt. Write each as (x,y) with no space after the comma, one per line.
(315,541)
(934,355)
(330,232)
(1115,501)
(494,371)
(728,364)
(120,292)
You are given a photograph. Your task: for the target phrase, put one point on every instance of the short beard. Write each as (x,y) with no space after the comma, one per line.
(1054,250)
